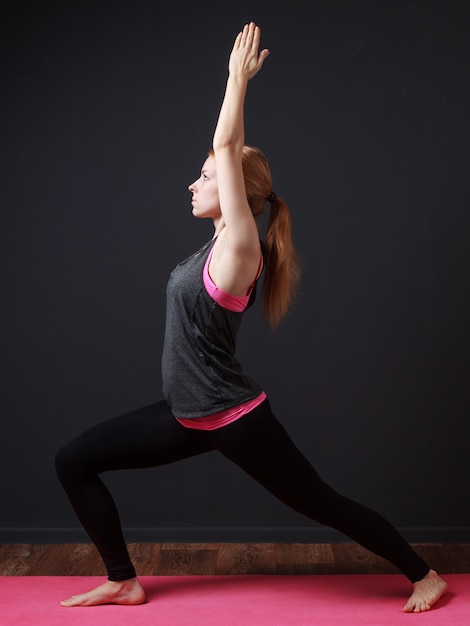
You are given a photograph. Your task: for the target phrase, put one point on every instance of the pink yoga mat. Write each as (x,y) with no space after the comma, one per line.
(364,600)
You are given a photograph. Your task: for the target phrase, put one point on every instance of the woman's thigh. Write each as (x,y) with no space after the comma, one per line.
(146,437)
(260,445)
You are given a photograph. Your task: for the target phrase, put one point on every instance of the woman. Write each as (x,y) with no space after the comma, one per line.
(209,403)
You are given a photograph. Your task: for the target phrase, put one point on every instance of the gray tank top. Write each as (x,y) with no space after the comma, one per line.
(201,374)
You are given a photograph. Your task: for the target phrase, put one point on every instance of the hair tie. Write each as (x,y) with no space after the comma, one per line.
(272,196)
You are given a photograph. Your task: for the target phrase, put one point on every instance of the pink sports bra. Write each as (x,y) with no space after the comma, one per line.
(226,300)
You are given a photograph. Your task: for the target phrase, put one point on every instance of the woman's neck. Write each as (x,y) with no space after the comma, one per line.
(218,227)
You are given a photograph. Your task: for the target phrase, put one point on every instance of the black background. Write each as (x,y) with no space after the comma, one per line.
(107,112)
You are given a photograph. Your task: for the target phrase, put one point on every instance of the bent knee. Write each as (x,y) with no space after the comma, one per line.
(65,462)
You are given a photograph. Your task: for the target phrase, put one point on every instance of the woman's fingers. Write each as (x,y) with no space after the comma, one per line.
(250,36)
(256,34)
(253,34)
(246,33)
(245,54)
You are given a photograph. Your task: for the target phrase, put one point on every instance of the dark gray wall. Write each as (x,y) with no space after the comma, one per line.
(107,111)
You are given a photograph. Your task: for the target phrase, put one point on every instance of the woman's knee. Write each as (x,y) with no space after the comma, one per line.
(66,462)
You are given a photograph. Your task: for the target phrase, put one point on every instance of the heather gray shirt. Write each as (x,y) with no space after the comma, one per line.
(201,374)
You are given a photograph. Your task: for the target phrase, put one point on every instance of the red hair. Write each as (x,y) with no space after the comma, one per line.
(282,265)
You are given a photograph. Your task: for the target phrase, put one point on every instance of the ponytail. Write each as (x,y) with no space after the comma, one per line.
(282,268)
(282,265)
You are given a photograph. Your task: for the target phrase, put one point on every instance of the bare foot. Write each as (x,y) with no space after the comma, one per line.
(125,592)
(426,593)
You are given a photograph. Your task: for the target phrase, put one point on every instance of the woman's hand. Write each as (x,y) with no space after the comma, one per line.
(245,59)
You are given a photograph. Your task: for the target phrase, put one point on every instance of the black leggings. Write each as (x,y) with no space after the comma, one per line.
(257,443)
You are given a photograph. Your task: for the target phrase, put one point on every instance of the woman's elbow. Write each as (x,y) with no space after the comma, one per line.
(227,144)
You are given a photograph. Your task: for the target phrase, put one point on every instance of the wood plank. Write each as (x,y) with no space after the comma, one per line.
(19,559)
(351,558)
(246,558)
(145,557)
(186,559)
(458,557)
(444,558)
(299,558)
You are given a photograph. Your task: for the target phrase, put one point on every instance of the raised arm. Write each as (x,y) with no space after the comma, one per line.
(237,254)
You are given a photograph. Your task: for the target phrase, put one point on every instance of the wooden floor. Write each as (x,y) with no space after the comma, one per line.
(153,559)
